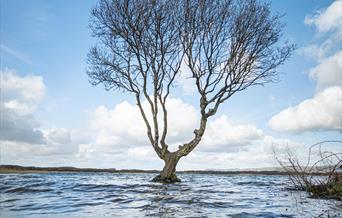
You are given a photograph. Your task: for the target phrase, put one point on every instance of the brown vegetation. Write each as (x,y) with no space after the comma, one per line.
(320,176)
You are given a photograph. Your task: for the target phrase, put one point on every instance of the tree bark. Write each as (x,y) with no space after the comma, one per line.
(168,174)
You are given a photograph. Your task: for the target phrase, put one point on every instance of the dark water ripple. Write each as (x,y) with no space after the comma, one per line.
(132,195)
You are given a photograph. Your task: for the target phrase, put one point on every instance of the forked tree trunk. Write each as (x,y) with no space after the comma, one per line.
(168,174)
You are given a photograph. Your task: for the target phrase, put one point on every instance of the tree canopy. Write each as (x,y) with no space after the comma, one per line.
(228,46)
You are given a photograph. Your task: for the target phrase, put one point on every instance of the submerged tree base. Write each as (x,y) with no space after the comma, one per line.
(172,179)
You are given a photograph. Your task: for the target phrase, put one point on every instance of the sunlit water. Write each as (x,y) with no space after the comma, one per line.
(133,195)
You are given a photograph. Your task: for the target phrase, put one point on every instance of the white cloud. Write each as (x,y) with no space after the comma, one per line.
(20,107)
(27,88)
(58,135)
(222,135)
(279,145)
(313,51)
(185,80)
(142,153)
(118,138)
(322,112)
(85,151)
(38,149)
(21,128)
(114,134)
(124,126)
(258,154)
(19,98)
(328,23)
(328,72)
(21,134)
(328,19)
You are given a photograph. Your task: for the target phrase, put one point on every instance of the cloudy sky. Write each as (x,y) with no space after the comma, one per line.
(51,116)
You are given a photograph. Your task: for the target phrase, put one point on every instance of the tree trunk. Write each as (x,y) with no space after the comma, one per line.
(168,174)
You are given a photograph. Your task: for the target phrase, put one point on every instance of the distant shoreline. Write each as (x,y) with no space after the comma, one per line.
(32,169)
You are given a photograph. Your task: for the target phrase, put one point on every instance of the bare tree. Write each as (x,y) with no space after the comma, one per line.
(228,45)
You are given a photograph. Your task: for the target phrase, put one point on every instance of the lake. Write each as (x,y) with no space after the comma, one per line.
(133,195)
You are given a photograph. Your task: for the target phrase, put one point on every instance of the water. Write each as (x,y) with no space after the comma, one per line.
(132,195)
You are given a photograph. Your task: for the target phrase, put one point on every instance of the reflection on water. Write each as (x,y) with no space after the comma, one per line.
(132,195)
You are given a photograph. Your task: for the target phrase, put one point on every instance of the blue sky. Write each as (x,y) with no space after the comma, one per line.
(46,43)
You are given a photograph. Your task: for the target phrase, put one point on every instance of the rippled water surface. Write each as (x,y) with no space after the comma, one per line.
(132,195)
